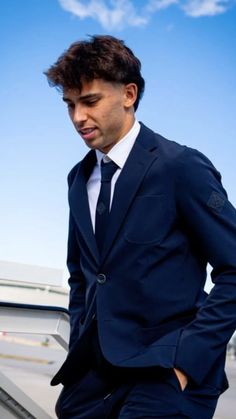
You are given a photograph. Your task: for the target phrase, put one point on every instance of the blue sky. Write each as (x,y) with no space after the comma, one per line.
(188,54)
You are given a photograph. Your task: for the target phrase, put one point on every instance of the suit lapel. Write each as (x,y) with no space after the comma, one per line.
(78,199)
(142,155)
(140,159)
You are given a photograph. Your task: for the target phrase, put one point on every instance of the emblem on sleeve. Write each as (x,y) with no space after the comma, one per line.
(216,201)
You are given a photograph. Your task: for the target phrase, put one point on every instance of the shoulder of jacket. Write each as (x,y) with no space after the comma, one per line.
(72,173)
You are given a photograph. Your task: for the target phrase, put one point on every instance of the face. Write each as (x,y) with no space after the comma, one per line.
(102,112)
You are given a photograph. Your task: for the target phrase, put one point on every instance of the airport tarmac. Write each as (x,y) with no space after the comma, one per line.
(31,361)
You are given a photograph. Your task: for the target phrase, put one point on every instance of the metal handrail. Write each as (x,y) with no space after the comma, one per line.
(29,319)
(33,306)
(54,321)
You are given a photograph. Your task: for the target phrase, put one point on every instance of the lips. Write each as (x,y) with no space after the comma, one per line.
(87,133)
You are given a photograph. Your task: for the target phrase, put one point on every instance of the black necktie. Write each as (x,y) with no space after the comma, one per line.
(103,204)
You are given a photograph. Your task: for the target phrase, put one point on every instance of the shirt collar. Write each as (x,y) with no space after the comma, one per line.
(119,153)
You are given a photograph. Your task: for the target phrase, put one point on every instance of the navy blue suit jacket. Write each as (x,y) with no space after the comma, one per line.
(170,216)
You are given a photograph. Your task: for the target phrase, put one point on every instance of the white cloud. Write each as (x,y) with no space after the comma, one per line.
(198,8)
(117,14)
(155,5)
(111,14)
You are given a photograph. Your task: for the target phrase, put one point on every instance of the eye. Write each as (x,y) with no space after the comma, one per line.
(91,102)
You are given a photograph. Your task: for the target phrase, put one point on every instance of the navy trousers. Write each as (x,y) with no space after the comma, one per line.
(154,393)
(108,392)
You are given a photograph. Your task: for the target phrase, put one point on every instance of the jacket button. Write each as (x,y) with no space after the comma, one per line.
(101,278)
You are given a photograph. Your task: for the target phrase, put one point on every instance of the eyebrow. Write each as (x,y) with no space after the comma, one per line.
(65,99)
(85,97)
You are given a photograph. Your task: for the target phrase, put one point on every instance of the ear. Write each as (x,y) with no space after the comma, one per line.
(130,94)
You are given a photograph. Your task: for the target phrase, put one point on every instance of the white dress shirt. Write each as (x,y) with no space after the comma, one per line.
(118,154)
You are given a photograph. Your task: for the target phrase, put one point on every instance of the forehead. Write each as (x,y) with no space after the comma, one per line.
(94,87)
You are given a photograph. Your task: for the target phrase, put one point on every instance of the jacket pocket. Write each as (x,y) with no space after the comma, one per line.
(168,332)
(148,220)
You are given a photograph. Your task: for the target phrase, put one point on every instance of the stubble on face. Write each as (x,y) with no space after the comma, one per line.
(100,113)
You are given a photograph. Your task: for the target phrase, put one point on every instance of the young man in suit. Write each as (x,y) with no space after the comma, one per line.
(146,216)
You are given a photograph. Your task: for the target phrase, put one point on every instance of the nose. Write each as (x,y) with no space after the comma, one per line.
(79,116)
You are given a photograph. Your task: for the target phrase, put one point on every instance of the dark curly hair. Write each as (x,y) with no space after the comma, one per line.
(101,57)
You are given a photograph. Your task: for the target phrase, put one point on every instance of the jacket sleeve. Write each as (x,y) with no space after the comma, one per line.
(210,220)
(76,279)
(76,283)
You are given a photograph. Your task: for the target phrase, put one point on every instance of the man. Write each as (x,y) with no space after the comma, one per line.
(146,340)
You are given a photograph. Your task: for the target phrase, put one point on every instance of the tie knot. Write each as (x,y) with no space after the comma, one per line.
(107,170)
